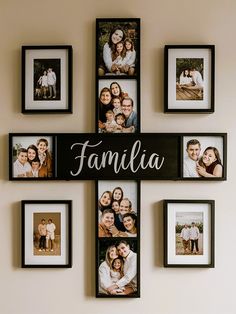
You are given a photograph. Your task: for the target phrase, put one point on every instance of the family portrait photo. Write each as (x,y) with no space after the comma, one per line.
(118,209)
(46,233)
(189,233)
(118,44)
(118,110)
(32,157)
(189,78)
(118,265)
(189,230)
(203,157)
(47,79)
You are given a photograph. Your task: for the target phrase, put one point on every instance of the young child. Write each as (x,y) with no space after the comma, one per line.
(50,234)
(35,166)
(130,57)
(21,166)
(118,56)
(110,124)
(116,102)
(45,158)
(120,121)
(117,272)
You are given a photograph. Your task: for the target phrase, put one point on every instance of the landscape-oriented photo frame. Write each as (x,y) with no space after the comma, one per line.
(118,106)
(117,238)
(189,230)
(32,156)
(46,233)
(204,157)
(47,79)
(189,78)
(118,47)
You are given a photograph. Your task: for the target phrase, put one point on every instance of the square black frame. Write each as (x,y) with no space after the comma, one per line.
(30,89)
(105,242)
(11,156)
(68,204)
(211,233)
(131,83)
(168,101)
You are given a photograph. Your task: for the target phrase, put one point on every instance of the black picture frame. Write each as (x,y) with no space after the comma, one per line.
(179,215)
(45,166)
(189,78)
(42,65)
(125,233)
(117,85)
(59,254)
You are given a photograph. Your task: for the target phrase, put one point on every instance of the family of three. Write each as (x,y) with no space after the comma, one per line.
(34,161)
(116,217)
(116,111)
(118,54)
(207,165)
(118,272)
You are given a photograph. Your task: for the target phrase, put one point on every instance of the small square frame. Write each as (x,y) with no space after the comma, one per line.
(38,96)
(60,254)
(189,78)
(177,214)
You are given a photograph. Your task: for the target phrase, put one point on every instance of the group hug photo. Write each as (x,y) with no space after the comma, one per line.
(32,157)
(118,236)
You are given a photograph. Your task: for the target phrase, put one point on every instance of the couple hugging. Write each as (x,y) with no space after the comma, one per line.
(35,161)
(208,165)
(118,272)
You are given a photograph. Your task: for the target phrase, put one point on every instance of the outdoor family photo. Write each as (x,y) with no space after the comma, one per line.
(118,47)
(189,78)
(32,157)
(117,209)
(47,233)
(117,106)
(203,157)
(47,79)
(117,272)
(189,233)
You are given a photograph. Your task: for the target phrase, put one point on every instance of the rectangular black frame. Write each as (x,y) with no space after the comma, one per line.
(103,242)
(32,92)
(131,83)
(72,152)
(168,101)
(67,264)
(211,263)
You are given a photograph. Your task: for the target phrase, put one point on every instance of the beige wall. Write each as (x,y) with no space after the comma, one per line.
(164,291)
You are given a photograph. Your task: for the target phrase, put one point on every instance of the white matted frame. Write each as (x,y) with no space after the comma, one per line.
(193,62)
(32,255)
(181,213)
(38,97)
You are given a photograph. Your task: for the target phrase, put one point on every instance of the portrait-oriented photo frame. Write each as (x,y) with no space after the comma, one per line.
(46,79)
(32,156)
(46,239)
(189,233)
(118,47)
(204,156)
(189,78)
(117,239)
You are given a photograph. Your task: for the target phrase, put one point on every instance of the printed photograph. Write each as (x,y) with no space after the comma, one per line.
(47,79)
(189,233)
(47,233)
(117,268)
(118,47)
(203,157)
(32,157)
(117,106)
(118,209)
(189,78)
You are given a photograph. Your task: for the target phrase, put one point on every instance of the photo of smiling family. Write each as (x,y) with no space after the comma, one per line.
(203,157)
(118,47)
(32,157)
(118,237)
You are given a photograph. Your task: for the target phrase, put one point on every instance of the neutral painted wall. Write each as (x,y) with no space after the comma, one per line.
(164,291)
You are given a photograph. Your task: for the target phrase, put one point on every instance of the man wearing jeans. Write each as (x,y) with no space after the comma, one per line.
(194,236)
